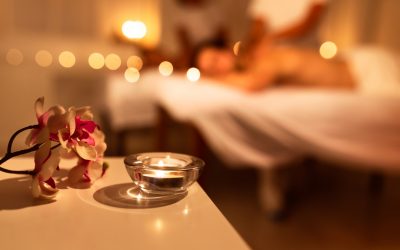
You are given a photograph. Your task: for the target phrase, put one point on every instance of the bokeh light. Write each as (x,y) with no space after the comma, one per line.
(96,60)
(193,74)
(134,29)
(14,57)
(43,58)
(66,59)
(328,50)
(134,62)
(236,48)
(113,61)
(166,68)
(132,75)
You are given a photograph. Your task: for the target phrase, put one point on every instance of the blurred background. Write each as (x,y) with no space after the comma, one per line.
(69,51)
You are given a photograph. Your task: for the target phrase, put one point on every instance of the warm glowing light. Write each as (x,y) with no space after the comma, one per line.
(193,74)
(134,29)
(14,57)
(236,48)
(96,60)
(66,59)
(134,62)
(166,68)
(328,50)
(43,58)
(159,173)
(113,61)
(186,210)
(132,75)
(139,197)
(158,225)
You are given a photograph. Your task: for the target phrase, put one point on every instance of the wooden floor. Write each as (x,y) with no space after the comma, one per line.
(331,208)
(334,209)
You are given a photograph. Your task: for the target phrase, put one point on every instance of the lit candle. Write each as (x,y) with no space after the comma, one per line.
(163,177)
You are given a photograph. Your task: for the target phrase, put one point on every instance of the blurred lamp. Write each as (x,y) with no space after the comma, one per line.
(134,29)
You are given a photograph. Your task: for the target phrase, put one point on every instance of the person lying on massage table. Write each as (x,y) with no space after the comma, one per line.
(270,65)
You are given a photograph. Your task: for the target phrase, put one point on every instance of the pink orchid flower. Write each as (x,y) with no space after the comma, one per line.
(79,137)
(46,122)
(46,162)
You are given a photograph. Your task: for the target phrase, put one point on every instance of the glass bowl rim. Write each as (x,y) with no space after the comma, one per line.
(132,161)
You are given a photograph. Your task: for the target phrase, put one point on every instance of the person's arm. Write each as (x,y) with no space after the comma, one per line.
(312,19)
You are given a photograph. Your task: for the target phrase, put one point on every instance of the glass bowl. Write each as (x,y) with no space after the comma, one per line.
(163,172)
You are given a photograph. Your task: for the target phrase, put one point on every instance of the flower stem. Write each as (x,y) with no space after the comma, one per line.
(9,154)
(12,138)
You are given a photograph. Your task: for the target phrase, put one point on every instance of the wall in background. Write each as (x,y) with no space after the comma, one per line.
(47,24)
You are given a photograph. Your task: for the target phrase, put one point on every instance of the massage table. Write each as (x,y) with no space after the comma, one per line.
(271,128)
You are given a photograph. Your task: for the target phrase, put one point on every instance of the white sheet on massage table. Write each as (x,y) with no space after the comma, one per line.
(270,127)
(273,126)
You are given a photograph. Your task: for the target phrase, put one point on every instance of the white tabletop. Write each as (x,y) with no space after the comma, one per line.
(75,220)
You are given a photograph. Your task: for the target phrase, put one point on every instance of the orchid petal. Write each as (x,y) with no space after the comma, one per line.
(42,189)
(50,165)
(85,151)
(39,107)
(72,122)
(58,121)
(32,136)
(47,191)
(61,140)
(67,153)
(95,170)
(43,136)
(42,154)
(100,145)
(35,187)
(84,112)
(75,175)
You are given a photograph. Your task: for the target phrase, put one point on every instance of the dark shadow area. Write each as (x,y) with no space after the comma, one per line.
(127,195)
(15,193)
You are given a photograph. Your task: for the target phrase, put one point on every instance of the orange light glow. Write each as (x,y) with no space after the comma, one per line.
(14,57)
(66,59)
(166,68)
(132,75)
(43,58)
(96,61)
(134,62)
(113,61)
(328,50)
